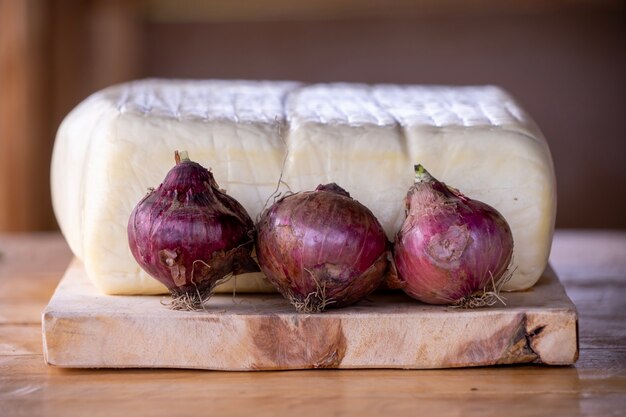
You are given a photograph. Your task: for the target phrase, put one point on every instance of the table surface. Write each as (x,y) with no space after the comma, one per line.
(591,264)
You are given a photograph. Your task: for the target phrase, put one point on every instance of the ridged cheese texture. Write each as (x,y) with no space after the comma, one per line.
(120,141)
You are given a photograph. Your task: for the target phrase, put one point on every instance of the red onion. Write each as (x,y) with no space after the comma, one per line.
(322,249)
(450,247)
(190,235)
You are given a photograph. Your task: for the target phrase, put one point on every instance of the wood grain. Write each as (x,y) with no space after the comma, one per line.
(595,386)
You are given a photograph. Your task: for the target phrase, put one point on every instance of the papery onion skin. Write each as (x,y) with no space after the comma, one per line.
(190,235)
(322,249)
(450,247)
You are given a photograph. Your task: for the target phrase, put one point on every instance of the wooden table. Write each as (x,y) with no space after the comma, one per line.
(592,265)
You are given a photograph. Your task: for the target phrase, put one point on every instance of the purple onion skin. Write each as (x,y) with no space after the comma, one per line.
(189,234)
(322,249)
(450,246)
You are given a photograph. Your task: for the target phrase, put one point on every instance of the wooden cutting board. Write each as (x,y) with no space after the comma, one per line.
(85,329)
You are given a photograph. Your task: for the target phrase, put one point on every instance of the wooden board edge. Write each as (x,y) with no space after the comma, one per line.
(528,344)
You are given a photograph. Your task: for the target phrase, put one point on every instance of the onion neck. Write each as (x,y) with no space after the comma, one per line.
(421,175)
(182,156)
(332,188)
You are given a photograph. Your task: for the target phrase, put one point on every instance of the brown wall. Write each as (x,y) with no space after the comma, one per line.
(52,55)
(564,62)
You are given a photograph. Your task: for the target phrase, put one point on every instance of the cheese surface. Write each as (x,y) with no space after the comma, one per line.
(120,141)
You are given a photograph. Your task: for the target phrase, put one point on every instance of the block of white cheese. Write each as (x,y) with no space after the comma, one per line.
(253,134)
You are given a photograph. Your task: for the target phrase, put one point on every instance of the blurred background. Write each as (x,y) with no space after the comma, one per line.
(564,60)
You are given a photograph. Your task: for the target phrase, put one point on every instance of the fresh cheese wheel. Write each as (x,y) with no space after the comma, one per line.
(262,139)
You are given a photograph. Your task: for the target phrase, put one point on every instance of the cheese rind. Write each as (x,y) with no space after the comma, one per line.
(120,141)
